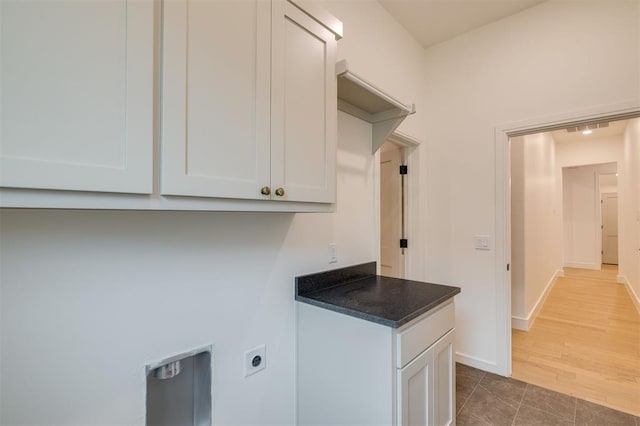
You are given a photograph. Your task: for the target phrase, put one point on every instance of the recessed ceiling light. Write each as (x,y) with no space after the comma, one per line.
(587,132)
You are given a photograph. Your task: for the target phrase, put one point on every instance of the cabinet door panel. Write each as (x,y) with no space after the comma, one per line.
(76,92)
(415,384)
(303,132)
(215,132)
(444,381)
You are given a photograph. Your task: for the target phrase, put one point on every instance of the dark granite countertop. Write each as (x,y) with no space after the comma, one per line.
(359,292)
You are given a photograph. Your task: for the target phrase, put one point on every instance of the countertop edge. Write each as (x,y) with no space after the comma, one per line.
(427,308)
(346,311)
(376,319)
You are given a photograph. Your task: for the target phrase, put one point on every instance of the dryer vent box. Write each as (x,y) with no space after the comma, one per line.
(179,390)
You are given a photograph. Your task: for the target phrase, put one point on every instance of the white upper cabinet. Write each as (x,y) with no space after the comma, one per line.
(215,98)
(249,102)
(76,95)
(168,104)
(303,106)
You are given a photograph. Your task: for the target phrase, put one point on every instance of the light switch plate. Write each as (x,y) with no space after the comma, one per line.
(482,242)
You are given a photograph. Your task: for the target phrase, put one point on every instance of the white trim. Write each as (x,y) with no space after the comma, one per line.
(525,324)
(520,323)
(503,251)
(479,363)
(403,139)
(583,265)
(634,296)
(321,16)
(502,134)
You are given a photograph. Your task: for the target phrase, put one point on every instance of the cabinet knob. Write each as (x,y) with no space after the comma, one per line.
(280,192)
(265,190)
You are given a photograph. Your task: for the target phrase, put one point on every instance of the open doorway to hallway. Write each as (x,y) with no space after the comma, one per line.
(576,326)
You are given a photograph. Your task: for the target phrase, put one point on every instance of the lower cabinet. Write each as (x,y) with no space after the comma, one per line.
(351,371)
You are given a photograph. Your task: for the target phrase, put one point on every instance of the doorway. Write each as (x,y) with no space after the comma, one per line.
(562,351)
(583,221)
(503,135)
(608,184)
(392,211)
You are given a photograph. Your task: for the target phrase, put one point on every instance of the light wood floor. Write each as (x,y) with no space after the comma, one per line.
(585,341)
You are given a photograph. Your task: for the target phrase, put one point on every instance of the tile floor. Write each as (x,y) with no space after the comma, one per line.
(487,399)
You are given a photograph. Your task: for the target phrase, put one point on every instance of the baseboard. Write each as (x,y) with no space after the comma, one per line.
(478,363)
(525,324)
(580,265)
(519,323)
(634,296)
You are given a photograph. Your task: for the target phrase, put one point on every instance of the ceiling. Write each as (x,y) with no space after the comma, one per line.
(616,128)
(434,21)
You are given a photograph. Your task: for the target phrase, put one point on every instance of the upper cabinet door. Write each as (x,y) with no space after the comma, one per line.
(76,95)
(303,106)
(215,98)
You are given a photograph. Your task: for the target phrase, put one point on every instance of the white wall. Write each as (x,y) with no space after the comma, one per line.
(89,297)
(608,183)
(536,249)
(530,67)
(629,183)
(606,149)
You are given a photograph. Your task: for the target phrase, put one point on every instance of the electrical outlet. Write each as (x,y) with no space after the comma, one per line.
(333,253)
(255,360)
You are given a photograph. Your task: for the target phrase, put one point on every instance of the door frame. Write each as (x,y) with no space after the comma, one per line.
(410,157)
(502,135)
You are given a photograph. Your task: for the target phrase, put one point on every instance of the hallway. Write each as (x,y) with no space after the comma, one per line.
(585,341)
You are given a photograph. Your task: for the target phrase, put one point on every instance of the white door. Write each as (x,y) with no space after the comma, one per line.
(610,228)
(76,87)
(415,384)
(303,106)
(215,98)
(391,256)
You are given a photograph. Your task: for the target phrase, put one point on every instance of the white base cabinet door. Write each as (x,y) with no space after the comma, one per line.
(415,397)
(76,95)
